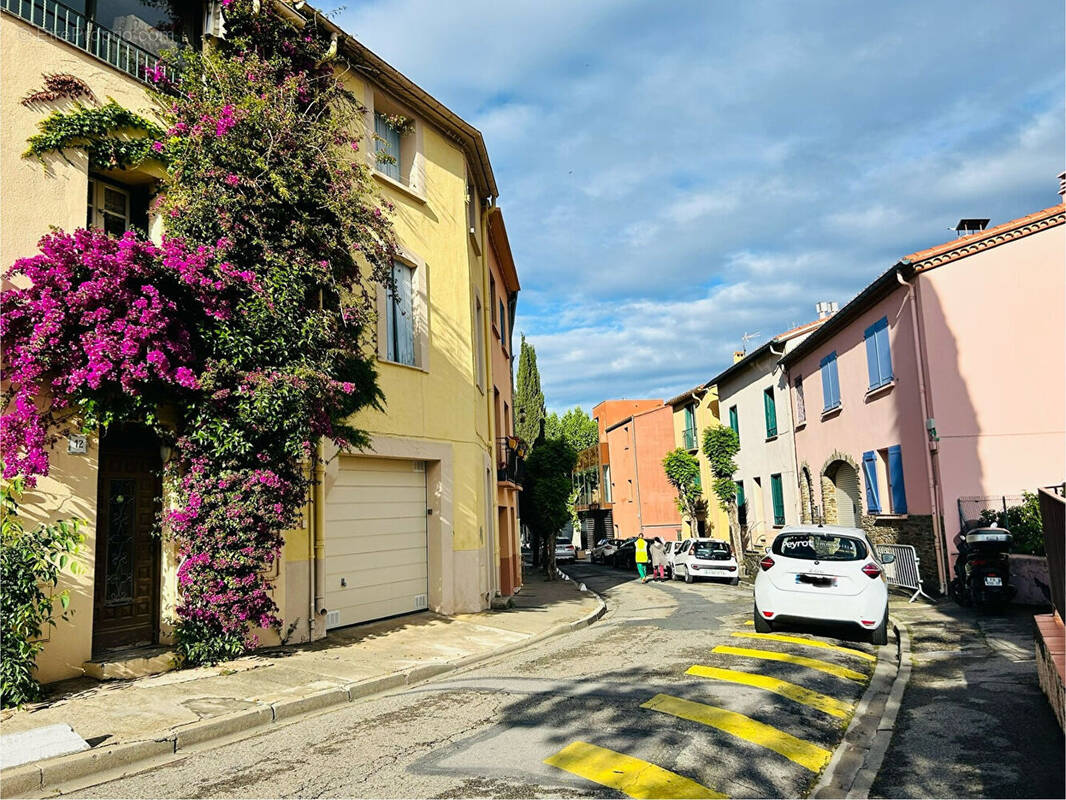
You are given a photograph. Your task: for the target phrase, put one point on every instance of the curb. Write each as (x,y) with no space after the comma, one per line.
(69,773)
(858,758)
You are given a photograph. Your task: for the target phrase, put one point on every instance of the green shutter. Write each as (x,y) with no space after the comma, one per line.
(777,492)
(770,407)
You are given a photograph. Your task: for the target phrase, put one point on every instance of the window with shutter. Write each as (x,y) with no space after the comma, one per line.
(895,480)
(742,507)
(830,382)
(801,405)
(734,421)
(778,496)
(878,354)
(869,474)
(770,407)
(400,321)
(387,147)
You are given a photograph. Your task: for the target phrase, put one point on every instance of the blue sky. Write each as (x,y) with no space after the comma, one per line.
(674,175)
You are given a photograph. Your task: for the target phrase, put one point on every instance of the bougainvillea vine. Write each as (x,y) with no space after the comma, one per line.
(247,321)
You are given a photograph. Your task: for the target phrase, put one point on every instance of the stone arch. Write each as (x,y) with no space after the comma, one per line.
(841,499)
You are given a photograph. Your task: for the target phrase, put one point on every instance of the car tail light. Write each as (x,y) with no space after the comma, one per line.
(731,569)
(768,614)
(766,563)
(868,621)
(871,569)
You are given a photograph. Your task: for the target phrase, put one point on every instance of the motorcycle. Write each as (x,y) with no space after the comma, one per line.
(982,568)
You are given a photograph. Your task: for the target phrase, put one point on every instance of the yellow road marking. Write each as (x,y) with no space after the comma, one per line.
(803,661)
(807,755)
(777,637)
(750,622)
(822,702)
(626,774)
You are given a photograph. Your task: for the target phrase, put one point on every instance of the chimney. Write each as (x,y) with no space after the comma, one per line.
(826,308)
(1062,186)
(969,226)
(738,355)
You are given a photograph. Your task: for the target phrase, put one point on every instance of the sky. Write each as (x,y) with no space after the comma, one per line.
(676,175)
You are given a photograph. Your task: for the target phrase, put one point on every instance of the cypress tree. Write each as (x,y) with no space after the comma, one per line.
(528,399)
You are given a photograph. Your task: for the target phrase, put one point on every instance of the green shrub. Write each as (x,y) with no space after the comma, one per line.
(1024,523)
(30,564)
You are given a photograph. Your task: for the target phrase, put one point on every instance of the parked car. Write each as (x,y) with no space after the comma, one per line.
(624,556)
(670,552)
(823,574)
(603,552)
(706,558)
(564,551)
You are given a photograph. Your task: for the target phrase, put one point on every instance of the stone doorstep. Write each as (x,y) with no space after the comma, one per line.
(127,664)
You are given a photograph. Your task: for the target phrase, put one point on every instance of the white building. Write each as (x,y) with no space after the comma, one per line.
(753,399)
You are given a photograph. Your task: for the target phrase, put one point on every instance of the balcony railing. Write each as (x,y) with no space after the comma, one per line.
(510,466)
(690,439)
(67,25)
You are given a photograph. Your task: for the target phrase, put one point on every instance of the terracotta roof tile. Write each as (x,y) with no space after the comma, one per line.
(962,241)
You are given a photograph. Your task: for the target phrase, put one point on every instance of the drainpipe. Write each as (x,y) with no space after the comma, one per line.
(318,528)
(929,465)
(636,476)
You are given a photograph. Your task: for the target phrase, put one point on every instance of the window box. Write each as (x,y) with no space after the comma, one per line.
(832,412)
(877,391)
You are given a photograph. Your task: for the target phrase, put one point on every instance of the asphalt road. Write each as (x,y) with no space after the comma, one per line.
(610,710)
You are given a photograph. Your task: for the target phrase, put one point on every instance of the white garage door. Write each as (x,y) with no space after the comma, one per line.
(377,562)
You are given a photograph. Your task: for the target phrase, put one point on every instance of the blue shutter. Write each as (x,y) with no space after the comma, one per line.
(404,315)
(872,368)
(895,480)
(878,353)
(884,353)
(869,471)
(388,141)
(734,422)
(830,382)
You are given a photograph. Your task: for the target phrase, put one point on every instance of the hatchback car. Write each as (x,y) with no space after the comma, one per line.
(670,553)
(823,574)
(564,551)
(624,556)
(705,558)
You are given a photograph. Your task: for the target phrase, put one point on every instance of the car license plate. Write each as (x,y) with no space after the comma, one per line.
(816,580)
(992,580)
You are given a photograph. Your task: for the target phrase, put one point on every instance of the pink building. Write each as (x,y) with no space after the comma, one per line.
(643,500)
(942,380)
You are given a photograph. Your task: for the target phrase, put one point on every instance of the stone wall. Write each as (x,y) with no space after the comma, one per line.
(1029,576)
(915,530)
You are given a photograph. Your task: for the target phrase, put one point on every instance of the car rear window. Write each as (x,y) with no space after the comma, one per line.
(820,546)
(711,551)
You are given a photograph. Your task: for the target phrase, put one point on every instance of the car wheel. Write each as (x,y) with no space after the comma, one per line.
(674,574)
(734,581)
(688,576)
(762,624)
(879,635)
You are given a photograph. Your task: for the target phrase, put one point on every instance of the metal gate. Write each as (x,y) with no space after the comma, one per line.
(903,571)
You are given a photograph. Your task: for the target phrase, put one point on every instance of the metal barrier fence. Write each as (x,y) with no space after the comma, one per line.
(903,571)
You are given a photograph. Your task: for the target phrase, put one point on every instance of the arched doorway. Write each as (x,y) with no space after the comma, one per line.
(843,507)
(127,572)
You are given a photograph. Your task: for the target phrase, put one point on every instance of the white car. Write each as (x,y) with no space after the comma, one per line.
(705,558)
(564,551)
(670,551)
(824,574)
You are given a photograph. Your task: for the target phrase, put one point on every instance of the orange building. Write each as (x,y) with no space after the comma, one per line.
(643,500)
(501,301)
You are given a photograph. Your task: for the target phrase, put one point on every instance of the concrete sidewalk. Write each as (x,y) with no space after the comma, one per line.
(128,721)
(973,721)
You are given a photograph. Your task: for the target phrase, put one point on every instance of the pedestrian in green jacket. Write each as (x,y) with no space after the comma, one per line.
(640,555)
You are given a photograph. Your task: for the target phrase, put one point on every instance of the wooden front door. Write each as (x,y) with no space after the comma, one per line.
(126,607)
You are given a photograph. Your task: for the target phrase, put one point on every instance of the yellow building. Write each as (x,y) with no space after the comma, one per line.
(694,411)
(420,520)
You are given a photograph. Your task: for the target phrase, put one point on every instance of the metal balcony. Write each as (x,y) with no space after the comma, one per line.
(510,466)
(67,25)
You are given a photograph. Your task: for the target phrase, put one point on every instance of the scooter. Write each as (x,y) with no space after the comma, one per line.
(982,568)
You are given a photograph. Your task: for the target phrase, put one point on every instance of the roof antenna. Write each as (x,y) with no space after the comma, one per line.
(747,337)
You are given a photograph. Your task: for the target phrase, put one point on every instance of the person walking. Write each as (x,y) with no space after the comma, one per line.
(640,555)
(658,559)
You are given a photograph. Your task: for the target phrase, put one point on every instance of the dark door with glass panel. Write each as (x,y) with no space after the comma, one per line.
(126,607)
